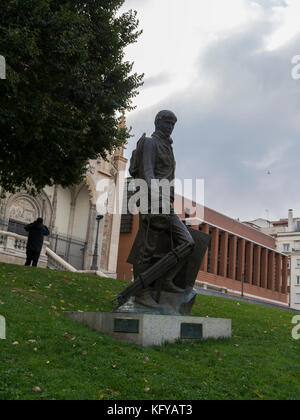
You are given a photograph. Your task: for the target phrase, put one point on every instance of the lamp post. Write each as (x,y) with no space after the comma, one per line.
(95,256)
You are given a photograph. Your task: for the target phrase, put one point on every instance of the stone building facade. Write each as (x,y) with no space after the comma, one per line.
(286,233)
(71,215)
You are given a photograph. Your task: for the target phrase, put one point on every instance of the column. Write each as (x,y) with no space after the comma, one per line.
(54,207)
(205,229)
(90,237)
(257,265)
(224,254)
(116,221)
(249,263)
(232,257)
(241,258)
(271,271)
(72,212)
(264,267)
(278,280)
(284,288)
(214,251)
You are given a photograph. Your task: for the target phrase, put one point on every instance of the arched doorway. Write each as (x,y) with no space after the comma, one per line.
(21,212)
(22,209)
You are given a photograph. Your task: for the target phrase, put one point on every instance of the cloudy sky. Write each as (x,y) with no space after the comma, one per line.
(225,69)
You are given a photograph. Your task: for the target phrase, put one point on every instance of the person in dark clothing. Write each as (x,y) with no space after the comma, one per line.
(36,231)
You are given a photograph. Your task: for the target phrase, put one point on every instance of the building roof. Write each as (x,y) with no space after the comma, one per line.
(280,223)
(226,223)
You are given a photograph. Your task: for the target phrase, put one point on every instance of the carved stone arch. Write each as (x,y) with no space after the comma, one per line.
(89,182)
(23,208)
(78,190)
(45,203)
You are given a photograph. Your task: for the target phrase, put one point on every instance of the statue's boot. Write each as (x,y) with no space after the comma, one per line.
(145,299)
(168,283)
(169,286)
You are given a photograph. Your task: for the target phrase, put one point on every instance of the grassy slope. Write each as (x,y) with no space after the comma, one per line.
(69,361)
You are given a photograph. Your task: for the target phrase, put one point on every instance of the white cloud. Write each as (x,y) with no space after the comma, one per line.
(237,104)
(273,156)
(176,33)
(287,21)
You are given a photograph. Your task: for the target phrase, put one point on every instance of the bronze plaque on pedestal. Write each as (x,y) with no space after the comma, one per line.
(191,331)
(130,326)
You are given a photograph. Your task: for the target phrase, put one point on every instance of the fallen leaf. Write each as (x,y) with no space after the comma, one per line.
(257,394)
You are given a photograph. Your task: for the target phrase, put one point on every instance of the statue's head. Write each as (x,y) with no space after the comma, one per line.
(165,121)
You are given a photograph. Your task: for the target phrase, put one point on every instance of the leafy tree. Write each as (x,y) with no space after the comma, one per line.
(67,82)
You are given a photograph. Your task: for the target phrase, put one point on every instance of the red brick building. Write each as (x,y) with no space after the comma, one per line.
(239,256)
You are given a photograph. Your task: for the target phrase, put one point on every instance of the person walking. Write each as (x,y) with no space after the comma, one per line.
(36,231)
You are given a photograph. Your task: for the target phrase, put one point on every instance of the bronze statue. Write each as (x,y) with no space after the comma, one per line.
(166,255)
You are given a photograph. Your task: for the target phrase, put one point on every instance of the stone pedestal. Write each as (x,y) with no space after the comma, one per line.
(153,330)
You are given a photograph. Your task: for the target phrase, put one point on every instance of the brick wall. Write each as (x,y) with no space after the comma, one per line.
(226,223)
(256,262)
(237,287)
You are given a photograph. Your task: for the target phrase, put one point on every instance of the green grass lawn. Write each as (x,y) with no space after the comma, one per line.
(48,356)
